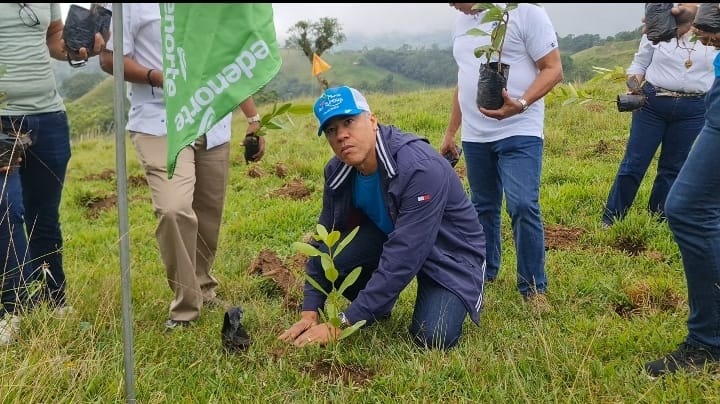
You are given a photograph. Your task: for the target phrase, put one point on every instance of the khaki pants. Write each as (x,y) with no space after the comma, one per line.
(189,210)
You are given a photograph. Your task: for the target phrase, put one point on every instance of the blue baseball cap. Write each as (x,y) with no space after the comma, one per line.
(339,101)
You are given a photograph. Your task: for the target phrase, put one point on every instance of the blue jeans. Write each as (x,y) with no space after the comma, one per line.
(513,166)
(693,214)
(439,314)
(673,122)
(13,242)
(31,198)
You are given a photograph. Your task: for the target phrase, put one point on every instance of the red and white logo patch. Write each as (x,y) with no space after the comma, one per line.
(424,198)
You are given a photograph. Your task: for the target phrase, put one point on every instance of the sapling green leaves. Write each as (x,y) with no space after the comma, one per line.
(335,245)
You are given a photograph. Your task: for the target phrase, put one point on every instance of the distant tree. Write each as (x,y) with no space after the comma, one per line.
(568,67)
(315,37)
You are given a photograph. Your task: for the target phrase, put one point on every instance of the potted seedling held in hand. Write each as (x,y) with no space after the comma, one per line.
(267,122)
(493,73)
(335,296)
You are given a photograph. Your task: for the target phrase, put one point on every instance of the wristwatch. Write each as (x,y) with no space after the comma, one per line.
(254,119)
(523,103)
(344,323)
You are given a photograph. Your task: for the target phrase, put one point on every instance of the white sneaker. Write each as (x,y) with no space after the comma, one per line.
(9,329)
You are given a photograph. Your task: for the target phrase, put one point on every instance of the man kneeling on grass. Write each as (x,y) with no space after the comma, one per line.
(414,218)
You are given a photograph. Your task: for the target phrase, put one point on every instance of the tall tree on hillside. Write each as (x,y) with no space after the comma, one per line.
(315,38)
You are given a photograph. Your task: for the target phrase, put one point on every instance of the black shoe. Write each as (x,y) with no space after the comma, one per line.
(686,357)
(173,324)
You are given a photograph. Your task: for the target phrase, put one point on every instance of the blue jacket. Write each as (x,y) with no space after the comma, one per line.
(437,231)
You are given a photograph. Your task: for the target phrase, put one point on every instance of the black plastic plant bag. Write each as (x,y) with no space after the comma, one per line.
(82,24)
(252,146)
(491,84)
(660,24)
(630,102)
(708,18)
(234,336)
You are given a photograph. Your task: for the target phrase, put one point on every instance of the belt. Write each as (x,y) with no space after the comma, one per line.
(664,92)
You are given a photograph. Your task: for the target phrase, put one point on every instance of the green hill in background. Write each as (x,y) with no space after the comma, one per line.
(92,113)
(378,70)
(613,54)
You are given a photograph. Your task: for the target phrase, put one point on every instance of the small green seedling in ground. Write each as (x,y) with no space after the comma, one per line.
(335,295)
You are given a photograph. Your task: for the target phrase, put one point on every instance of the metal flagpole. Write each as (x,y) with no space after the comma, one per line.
(121,175)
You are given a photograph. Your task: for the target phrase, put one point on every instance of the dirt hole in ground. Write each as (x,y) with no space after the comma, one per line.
(629,244)
(255,172)
(602,147)
(105,175)
(137,180)
(95,204)
(346,374)
(558,237)
(642,300)
(294,189)
(284,279)
(281,170)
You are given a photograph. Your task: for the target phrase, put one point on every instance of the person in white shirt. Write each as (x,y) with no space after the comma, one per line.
(674,77)
(189,205)
(504,147)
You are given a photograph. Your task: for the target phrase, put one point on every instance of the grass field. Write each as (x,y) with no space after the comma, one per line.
(619,295)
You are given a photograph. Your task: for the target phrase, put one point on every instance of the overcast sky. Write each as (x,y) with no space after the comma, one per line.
(603,19)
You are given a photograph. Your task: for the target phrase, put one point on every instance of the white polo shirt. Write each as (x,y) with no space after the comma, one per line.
(530,36)
(141,42)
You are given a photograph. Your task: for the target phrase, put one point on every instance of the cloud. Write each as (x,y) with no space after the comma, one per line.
(603,19)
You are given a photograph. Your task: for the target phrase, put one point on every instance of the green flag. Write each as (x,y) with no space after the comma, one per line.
(214,57)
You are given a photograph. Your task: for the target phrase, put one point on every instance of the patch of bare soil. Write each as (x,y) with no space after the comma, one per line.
(255,172)
(294,189)
(281,170)
(602,147)
(106,175)
(137,181)
(346,374)
(285,278)
(558,237)
(643,300)
(96,204)
(630,245)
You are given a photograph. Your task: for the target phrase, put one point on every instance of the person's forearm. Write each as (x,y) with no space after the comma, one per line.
(134,72)
(54,41)
(248,108)
(455,116)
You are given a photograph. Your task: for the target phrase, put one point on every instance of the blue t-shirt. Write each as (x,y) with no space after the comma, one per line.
(367,196)
(716,63)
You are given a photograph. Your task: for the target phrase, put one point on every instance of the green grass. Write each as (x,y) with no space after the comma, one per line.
(613,309)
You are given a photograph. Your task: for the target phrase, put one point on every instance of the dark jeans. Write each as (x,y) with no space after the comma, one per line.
(693,214)
(673,122)
(511,166)
(439,314)
(31,198)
